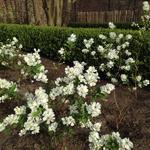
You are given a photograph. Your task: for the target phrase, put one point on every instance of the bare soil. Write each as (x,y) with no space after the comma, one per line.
(124,111)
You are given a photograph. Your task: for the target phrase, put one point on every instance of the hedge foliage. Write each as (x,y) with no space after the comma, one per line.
(51,39)
(104,25)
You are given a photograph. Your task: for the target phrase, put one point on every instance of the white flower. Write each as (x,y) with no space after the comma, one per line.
(118,47)
(112,54)
(112,35)
(20,110)
(108,74)
(138,78)
(31,59)
(110,64)
(53,127)
(100,49)
(120,36)
(87,124)
(41,77)
(96,126)
(3,98)
(130,60)
(88,43)
(5,87)
(114,80)
(128,37)
(102,67)
(32,124)
(15,39)
(72,38)
(111,25)
(61,51)
(85,51)
(11,119)
(48,116)
(146,6)
(127,53)
(69,89)
(91,76)
(123,77)
(22,132)
(146,82)
(94,109)
(128,67)
(82,90)
(93,53)
(103,37)
(68,121)
(33,62)
(107,89)
(126,144)
(73,72)
(56,92)
(94,137)
(20,46)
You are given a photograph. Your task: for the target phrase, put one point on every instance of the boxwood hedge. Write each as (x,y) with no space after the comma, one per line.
(50,39)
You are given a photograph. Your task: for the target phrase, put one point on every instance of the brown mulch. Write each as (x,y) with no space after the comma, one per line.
(125,111)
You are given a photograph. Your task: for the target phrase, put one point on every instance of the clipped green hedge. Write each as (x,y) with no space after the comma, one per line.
(104,25)
(51,39)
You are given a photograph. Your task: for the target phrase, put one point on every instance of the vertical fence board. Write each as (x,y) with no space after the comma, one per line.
(116,16)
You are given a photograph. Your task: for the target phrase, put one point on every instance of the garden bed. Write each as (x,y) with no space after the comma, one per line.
(133,123)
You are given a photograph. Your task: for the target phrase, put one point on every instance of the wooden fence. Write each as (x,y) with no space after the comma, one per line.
(116,16)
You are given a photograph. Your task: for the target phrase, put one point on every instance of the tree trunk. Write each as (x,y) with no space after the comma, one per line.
(39,12)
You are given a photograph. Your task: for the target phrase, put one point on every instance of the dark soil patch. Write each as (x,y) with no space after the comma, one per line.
(122,112)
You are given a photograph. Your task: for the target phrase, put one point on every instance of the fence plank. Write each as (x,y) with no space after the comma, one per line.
(116,16)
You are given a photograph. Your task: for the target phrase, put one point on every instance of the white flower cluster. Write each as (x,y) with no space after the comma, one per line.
(145,18)
(72,38)
(111,25)
(77,80)
(114,51)
(94,109)
(31,66)
(37,114)
(146,6)
(98,142)
(88,43)
(8,52)
(14,118)
(68,121)
(107,89)
(61,51)
(8,90)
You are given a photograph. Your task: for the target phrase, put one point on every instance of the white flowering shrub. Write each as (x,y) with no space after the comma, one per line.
(109,142)
(31,66)
(112,57)
(145,18)
(9,52)
(79,93)
(32,115)
(70,44)
(8,90)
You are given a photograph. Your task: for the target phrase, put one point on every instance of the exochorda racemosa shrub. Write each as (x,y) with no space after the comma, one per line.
(40,110)
(29,64)
(113,56)
(9,52)
(117,62)
(71,90)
